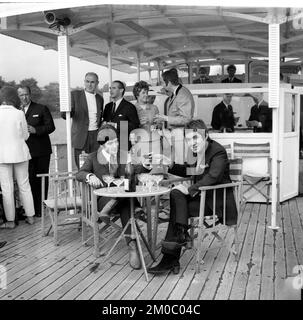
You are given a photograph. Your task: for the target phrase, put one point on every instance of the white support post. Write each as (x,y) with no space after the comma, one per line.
(65,100)
(190,72)
(138,65)
(274,101)
(110,69)
(158,73)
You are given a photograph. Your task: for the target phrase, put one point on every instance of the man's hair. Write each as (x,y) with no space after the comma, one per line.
(92,74)
(9,95)
(121,85)
(203,69)
(196,124)
(25,87)
(231,66)
(172,76)
(106,132)
(139,86)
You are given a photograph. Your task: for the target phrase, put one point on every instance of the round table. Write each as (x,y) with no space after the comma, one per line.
(141,192)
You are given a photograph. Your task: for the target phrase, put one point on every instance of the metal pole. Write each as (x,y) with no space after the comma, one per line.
(109,58)
(65,100)
(138,66)
(274,101)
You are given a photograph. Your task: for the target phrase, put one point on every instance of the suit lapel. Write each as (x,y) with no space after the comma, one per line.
(84,102)
(99,109)
(119,108)
(174,97)
(29,110)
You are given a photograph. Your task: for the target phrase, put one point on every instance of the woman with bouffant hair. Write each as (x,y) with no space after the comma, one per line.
(14,157)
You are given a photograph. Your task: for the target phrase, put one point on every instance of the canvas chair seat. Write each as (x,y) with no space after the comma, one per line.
(69,203)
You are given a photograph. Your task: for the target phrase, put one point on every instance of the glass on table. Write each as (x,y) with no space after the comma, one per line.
(108,179)
(158,178)
(118,182)
(143,177)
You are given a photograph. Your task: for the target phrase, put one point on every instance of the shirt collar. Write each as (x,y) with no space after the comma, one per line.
(89,93)
(260,103)
(118,102)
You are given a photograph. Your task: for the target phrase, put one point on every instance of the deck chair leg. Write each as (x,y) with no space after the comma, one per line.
(96,239)
(84,232)
(236,242)
(55,227)
(200,231)
(43,221)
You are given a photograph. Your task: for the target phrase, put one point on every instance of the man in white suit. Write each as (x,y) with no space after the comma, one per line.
(14,157)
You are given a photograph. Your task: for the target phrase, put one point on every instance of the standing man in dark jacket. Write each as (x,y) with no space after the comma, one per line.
(223,115)
(260,114)
(121,114)
(40,124)
(86,112)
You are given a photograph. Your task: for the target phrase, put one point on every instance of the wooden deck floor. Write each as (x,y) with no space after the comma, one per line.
(36,269)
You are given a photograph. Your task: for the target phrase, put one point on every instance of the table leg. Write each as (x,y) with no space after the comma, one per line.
(145,242)
(155,224)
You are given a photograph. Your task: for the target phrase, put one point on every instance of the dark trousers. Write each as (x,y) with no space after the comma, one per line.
(38,165)
(90,145)
(182,207)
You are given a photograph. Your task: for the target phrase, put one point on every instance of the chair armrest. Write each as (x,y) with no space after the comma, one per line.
(220,186)
(56,174)
(175,179)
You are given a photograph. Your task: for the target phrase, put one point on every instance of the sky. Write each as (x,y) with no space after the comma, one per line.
(20,60)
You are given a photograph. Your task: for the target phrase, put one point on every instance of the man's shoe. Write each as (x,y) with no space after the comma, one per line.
(30,220)
(134,257)
(38,214)
(181,238)
(8,225)
(168,263)
(2,244)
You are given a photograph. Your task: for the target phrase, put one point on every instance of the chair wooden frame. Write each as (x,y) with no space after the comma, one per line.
(91,218)
(198,222)
(60,200)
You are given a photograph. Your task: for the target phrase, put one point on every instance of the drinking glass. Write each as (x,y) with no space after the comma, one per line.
(118,182)
(157,179)
(143,179)
(108,179)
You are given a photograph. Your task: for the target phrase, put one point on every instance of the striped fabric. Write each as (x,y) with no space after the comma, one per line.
(244,150)
(227,147)
(235,169)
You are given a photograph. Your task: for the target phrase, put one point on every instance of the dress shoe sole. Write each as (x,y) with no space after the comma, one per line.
(175,245)
(175,270)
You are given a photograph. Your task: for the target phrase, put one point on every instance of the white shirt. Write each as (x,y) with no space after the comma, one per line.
(25,108)
(117,103)
(92,110)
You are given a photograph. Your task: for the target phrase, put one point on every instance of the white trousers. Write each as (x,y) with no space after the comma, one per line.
(7,173)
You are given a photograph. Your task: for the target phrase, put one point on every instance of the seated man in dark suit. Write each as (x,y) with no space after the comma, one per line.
(210,167)
(260,114)
(223,115)
(231,70)
(203,76)
(103,162)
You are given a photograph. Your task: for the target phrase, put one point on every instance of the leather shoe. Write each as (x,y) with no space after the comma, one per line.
(181,238)
(168,263)
(134,257)
(30,220)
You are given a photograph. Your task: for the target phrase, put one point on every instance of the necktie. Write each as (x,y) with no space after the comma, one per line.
(113,165)
(113,110)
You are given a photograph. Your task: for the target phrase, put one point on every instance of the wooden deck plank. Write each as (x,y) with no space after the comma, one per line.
(39,270)
(25,274)
(243,269)
(214,277)
(227,277)
(254,278)
(96,271)
(267,278)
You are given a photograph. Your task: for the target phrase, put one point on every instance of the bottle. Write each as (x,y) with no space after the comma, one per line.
(129,176)
(82,158)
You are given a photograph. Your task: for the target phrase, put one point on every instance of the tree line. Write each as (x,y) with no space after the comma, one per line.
(47,95)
